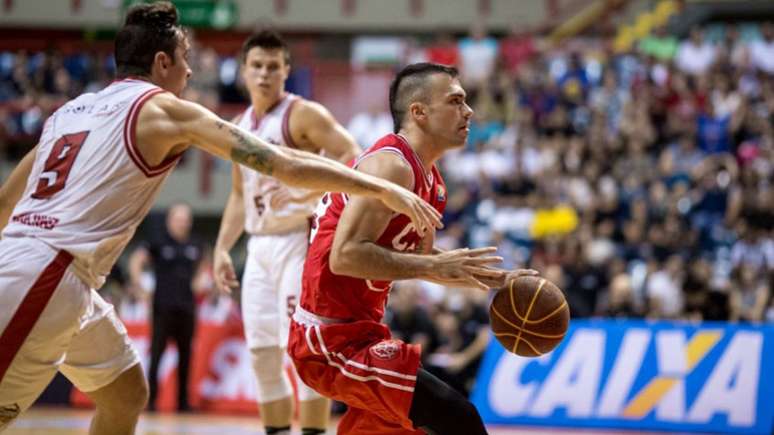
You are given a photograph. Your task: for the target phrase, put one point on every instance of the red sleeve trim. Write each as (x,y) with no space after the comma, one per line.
(130,139)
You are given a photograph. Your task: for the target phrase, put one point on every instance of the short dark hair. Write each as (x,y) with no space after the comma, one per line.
(148,29)
(266,39)
(411,85)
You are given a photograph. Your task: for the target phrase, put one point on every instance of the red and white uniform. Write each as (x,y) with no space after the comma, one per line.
(337,341)
(271,283)
(278,237)
(87,192)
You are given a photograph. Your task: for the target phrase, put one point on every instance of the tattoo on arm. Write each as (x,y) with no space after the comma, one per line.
(249,151)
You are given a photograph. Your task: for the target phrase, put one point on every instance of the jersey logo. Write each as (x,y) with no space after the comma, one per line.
(441,194)
(385,349)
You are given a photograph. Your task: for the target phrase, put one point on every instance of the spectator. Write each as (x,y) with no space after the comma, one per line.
(660,45)
(695,56)
(367,127)
(750,295)
(664,289)
(478,54)
(762,50)
(444,50)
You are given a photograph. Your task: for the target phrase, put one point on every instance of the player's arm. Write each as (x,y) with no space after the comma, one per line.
(139,259)
(232,226)
(312,127)
(355,252)
(13,188)
(189,123)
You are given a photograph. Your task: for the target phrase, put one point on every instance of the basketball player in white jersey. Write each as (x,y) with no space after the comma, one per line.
(277,219)
(73,203)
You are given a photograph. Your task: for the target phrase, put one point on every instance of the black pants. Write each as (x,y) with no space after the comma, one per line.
(179,326)
(440,410)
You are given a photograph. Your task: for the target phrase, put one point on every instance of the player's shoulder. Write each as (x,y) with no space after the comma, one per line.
(389,165)
(309,111)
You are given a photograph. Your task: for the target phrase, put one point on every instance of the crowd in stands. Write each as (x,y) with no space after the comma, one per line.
(639,182)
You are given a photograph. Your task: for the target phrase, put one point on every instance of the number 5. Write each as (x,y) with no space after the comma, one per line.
(58,164)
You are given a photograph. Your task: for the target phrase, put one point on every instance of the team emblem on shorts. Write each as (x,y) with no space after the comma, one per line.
(9,412)
(387,349)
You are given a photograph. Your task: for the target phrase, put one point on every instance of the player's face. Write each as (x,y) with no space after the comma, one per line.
(448,115)
(175,74)
(265,72)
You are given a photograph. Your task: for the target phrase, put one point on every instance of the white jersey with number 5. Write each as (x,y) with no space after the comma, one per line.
(260,217)
(89,187)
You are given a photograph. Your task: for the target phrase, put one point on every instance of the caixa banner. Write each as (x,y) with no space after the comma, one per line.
(710,377)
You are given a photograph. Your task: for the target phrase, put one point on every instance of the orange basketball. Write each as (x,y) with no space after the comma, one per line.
(529,316)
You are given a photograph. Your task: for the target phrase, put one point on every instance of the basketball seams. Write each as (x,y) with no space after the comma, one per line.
(546,317)
(526,315)
(526,331)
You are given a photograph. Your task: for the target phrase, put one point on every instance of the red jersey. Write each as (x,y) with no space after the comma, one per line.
(343,297)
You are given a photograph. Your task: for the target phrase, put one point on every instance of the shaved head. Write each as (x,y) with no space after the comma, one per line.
(412,84)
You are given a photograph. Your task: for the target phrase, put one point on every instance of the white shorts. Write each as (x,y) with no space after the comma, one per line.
(271,286)
(50,320)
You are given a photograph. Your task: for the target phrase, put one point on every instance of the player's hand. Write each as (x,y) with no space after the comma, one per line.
(466,268)
(280,196)
(223,269)
(424,216)
(502,281)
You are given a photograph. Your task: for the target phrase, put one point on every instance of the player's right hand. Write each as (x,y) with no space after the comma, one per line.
(424,216)
(465,268)
(223,269)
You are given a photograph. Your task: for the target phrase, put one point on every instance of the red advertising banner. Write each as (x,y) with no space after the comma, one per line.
(222,379)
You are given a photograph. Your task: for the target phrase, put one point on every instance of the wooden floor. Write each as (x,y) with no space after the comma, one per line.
(64,421)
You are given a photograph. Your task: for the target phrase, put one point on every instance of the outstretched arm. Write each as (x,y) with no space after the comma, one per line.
(355,252)
(187,122)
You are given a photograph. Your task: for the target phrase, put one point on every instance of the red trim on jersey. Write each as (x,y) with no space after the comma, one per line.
(31,307)
(130,128)
(286,125)
(256,120)
(418,161)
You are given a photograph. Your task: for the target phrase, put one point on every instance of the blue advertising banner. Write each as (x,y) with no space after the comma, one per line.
(710,377)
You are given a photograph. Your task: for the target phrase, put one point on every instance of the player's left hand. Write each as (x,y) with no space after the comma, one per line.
(424,216)
(501,281)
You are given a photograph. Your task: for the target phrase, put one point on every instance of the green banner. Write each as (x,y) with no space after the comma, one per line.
(215,14)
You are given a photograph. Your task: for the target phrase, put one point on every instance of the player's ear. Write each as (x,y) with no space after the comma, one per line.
(418,111)
(160,61)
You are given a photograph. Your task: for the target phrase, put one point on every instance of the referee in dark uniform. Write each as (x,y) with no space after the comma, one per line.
(175,258)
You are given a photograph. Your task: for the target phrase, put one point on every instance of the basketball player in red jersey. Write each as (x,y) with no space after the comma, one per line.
(358,247)
(277,219)
(72,204)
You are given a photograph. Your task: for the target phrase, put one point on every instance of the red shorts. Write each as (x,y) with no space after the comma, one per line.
(361,365)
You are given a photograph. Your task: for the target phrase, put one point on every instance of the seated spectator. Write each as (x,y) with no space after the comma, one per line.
(750,294)
(695,56)
(762,50)
(369,126)
(665,289)
(620,299)
(660,44)
(478,54)
(444,50)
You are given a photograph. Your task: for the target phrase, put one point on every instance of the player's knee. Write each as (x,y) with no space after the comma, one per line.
(136,395)
(272,379)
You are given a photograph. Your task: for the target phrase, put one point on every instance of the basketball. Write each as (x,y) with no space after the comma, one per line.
(529,316)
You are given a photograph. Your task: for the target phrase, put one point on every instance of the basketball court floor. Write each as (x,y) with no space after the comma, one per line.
(65,421)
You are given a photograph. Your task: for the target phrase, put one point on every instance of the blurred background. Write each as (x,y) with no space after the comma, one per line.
(625,149)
